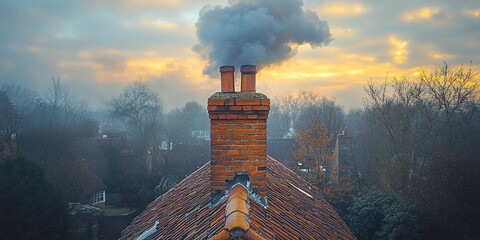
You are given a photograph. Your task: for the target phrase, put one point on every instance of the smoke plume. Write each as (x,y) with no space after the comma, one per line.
(260,32)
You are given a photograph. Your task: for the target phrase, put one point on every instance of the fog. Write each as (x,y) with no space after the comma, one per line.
(413,144)
(103,108)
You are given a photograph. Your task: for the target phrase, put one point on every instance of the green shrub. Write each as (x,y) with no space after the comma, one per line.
(379,215)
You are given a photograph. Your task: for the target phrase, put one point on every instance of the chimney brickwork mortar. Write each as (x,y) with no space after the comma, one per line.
(238,138)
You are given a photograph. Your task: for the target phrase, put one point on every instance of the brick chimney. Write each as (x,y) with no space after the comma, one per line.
(239,134)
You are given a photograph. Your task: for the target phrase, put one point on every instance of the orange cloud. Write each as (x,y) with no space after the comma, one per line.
(322,75)
(472,13)
(341,9)
(441,56)
(159,24)
(73,64)
(35,49)
(420,14)
(343,32)
(399,50)
(165,4)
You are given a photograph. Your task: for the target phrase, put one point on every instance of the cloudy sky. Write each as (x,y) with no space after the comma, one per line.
(97,47)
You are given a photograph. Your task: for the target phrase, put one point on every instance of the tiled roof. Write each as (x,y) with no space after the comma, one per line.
(75,179)
(295,210)
(93,151)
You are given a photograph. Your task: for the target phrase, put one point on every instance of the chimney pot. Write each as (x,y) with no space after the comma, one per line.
(227,81)
(248,78)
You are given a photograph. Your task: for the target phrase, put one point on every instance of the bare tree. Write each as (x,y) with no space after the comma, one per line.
(24,101)
(289,112)
(56,94)
(140,111)
(454,92)
(59,108)
(321,108)
(418,117)
(393,108)
(183,123)
(7,116)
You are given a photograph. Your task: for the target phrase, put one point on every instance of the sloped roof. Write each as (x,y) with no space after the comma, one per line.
(91,182)
(93,151)
(75,179)
(295,210)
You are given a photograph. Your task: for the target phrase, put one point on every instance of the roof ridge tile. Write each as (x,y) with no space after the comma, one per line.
(237,216)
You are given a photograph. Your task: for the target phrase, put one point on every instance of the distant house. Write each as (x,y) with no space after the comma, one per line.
(92,152)
(86,194)
(166,146)
(201,135)
(95,187)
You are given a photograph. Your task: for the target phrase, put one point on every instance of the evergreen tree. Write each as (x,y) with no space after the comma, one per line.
(379,215)
(30,207)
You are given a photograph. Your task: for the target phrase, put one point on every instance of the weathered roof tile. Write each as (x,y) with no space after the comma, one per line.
(296,210)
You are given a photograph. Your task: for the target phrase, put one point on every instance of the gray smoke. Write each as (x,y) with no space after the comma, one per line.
(260,32)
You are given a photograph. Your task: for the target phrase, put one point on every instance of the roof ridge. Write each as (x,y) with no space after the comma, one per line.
(237,217)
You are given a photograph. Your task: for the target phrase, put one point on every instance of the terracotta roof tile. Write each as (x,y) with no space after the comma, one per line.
(295,211)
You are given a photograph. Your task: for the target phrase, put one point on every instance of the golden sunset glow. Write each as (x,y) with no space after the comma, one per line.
(104,45)
(151,3)
(473,13)
(399,51)
(441,56)
(159,24)
(328,78)
(343,32)
(341,9)
(420,14)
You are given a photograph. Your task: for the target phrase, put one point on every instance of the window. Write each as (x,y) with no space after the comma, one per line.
(98,197)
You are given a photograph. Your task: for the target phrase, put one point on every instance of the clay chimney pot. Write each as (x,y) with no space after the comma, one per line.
(248,78)
(227,81)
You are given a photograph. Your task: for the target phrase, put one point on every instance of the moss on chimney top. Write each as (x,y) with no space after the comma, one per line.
(238,95)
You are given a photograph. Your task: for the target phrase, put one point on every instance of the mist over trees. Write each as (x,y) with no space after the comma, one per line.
(182,123)
(290,112)
(140,111)
(153,138)
(414,153)
(48,130)
(415,168)
(418,139)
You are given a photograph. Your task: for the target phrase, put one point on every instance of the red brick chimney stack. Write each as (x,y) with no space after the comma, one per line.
(239,135)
